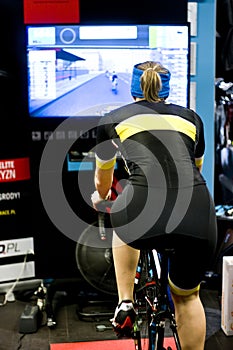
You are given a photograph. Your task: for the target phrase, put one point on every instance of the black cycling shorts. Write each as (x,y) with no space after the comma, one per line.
(183,219)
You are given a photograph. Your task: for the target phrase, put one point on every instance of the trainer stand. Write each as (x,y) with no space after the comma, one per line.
(59,292)
(95,263)
(95,307)
(91,304)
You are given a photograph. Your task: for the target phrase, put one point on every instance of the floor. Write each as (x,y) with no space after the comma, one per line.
(80,316)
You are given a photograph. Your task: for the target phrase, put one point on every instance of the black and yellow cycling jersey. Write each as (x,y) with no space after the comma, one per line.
(167,136)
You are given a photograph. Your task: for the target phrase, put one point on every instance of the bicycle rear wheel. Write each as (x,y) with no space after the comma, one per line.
(95,261)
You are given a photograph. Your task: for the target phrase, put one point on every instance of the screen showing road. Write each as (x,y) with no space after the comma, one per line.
(85,70)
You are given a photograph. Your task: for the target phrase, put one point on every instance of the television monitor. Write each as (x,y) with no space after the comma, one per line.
(70,67)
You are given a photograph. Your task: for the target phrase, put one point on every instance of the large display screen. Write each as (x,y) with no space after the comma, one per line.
(71,68)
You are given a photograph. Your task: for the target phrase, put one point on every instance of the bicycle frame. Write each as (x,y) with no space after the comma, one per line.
(158,306)
(156,299)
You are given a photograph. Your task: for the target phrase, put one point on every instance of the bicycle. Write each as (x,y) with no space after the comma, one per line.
(153,302)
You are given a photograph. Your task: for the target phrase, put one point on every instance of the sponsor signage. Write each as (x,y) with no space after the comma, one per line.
(47,11)
(14,170)
(16,267)
(13,247)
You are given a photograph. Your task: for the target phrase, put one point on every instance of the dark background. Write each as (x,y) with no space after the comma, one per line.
(55,253)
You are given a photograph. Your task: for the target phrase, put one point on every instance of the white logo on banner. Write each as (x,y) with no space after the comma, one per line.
(14,247)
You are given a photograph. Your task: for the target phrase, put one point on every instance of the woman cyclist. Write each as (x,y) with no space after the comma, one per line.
(165,203)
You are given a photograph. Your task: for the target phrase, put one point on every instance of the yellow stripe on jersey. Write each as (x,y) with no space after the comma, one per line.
(146,122)
(199,161)
(105,164)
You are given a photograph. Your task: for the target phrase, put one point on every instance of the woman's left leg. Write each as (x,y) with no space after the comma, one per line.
(125,261)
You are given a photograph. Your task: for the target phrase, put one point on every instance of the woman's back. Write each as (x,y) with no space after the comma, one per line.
(158,138)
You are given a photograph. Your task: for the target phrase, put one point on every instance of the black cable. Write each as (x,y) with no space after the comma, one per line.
(20,341)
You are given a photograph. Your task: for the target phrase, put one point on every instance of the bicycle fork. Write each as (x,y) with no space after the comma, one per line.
(157,330)
(157,324)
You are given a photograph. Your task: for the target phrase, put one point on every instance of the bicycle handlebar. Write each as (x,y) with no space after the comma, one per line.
(104,205)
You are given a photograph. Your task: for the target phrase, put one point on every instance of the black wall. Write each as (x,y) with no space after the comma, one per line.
(224,40)
(14,127)
(14,131)
(166,11)
(54,252)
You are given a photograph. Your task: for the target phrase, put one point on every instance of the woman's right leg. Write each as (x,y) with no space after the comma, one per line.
(191,321)
(186,272)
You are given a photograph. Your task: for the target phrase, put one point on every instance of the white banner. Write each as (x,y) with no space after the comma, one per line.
(12,272)
(14,247)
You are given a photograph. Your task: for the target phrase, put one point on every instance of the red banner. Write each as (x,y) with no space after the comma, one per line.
(51,11)
(14,169)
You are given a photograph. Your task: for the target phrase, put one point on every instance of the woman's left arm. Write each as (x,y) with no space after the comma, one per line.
(103,181)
